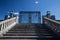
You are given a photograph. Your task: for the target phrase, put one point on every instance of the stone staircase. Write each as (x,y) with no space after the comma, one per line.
(29,32)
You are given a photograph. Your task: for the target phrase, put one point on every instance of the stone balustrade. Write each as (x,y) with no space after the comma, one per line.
(52,24)
(7,25)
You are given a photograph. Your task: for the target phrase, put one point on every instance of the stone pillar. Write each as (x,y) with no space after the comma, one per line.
(17,19)
(39,17)
(20,18)
(30,21)
(5,25)
(2,27)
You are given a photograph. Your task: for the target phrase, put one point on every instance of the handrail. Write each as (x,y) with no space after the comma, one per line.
(7,25)
(7,20)
(52,20)
(52,24)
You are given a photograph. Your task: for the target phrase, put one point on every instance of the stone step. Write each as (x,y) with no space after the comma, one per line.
(47,31)
(16,34)
(18,39)
(33,32)
(28,34)
(20,29)
(26,37)
(21,32)
(28,29)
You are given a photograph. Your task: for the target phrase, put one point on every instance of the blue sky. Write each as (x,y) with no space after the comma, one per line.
(30,5)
